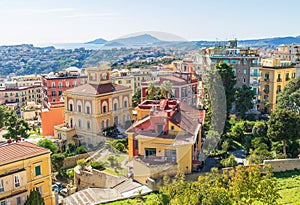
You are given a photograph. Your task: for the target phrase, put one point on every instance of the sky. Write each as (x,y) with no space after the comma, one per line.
(70,21)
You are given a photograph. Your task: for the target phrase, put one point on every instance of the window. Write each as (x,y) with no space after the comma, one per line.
(79,123)
(115,106)
(159,129)
(170,153)
(40,188)
(278,78)
(59,92)
(102,125)
(104,76)
(70,107)
(53,93)
(3,203)
(150,152)
(53,85)
(17,181)
(37,170)
(125,104)
(104,109)
(128,81)
(1,186)
(79,108)
(18,200)
(172,127)
(267,77)
(87,109)
(60,84)
(88,125)
(67,84)
(245,71)
(119,82)
(107,123)
(287,76)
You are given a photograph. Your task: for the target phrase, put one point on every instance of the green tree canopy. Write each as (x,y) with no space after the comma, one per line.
(166,89)
(16,127)
(47,143)
(283,125)
(243,100)
(136,98)
(290,97)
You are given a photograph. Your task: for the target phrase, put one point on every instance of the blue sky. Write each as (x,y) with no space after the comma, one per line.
(66,21)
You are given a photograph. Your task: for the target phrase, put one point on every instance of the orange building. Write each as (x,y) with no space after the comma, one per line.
(51,116)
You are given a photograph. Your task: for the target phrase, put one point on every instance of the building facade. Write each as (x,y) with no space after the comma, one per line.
(92,107)
(13,93)
(23,167)
(54,84)
(276,74)
(165,138)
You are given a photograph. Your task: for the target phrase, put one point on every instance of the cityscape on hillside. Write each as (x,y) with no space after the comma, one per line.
(149,117)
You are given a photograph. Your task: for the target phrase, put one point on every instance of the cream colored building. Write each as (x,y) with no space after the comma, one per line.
(92,107)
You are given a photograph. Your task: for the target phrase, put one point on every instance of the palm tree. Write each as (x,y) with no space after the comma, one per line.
(151,90)
(166,89)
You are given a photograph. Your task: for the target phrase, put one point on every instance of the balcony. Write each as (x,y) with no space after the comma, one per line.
(157,160)
(255,84)
(255,74)
(279,80)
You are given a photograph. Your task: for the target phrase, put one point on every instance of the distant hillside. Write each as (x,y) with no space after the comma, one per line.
(150,40)
(97,41)
(140,40)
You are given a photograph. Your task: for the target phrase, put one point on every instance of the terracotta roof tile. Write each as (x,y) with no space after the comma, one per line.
(97,89)
(19,150)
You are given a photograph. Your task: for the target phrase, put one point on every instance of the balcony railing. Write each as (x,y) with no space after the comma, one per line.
(255,84)
(157,160)
(255,74)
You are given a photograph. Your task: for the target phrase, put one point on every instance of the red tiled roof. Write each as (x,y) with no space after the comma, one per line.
(19,150)
(97,89)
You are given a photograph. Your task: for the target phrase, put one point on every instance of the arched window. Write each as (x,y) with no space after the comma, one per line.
(79,106)
(115,104)
(104,76)
(88,108)
(104,107)
(71,103)
(107,123)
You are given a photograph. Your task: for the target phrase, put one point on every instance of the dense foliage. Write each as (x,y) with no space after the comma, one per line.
(34,198)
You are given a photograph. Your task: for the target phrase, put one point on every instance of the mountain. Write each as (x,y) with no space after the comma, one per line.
(97,41)
(140,40)
(149,40)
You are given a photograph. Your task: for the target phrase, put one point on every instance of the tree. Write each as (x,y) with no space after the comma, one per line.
(229,81)
(57,161)
(243,100)
(47,143)
(80,150)
(3,115)
(151,90)
(283,125)
(260,129)
(166,89)
(289,98)
(136,97)
(16,127)
(34,198)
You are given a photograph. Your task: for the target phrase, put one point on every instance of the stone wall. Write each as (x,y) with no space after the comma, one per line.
(281,165)
(72,161)
(95,178)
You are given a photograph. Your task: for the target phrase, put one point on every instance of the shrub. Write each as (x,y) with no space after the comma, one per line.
(97,165)
(80,150)
(228,162)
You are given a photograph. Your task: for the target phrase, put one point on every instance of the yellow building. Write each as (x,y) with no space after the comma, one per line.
(276,74)
(168,139)
(122,77)
(24,166)
(92,107)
